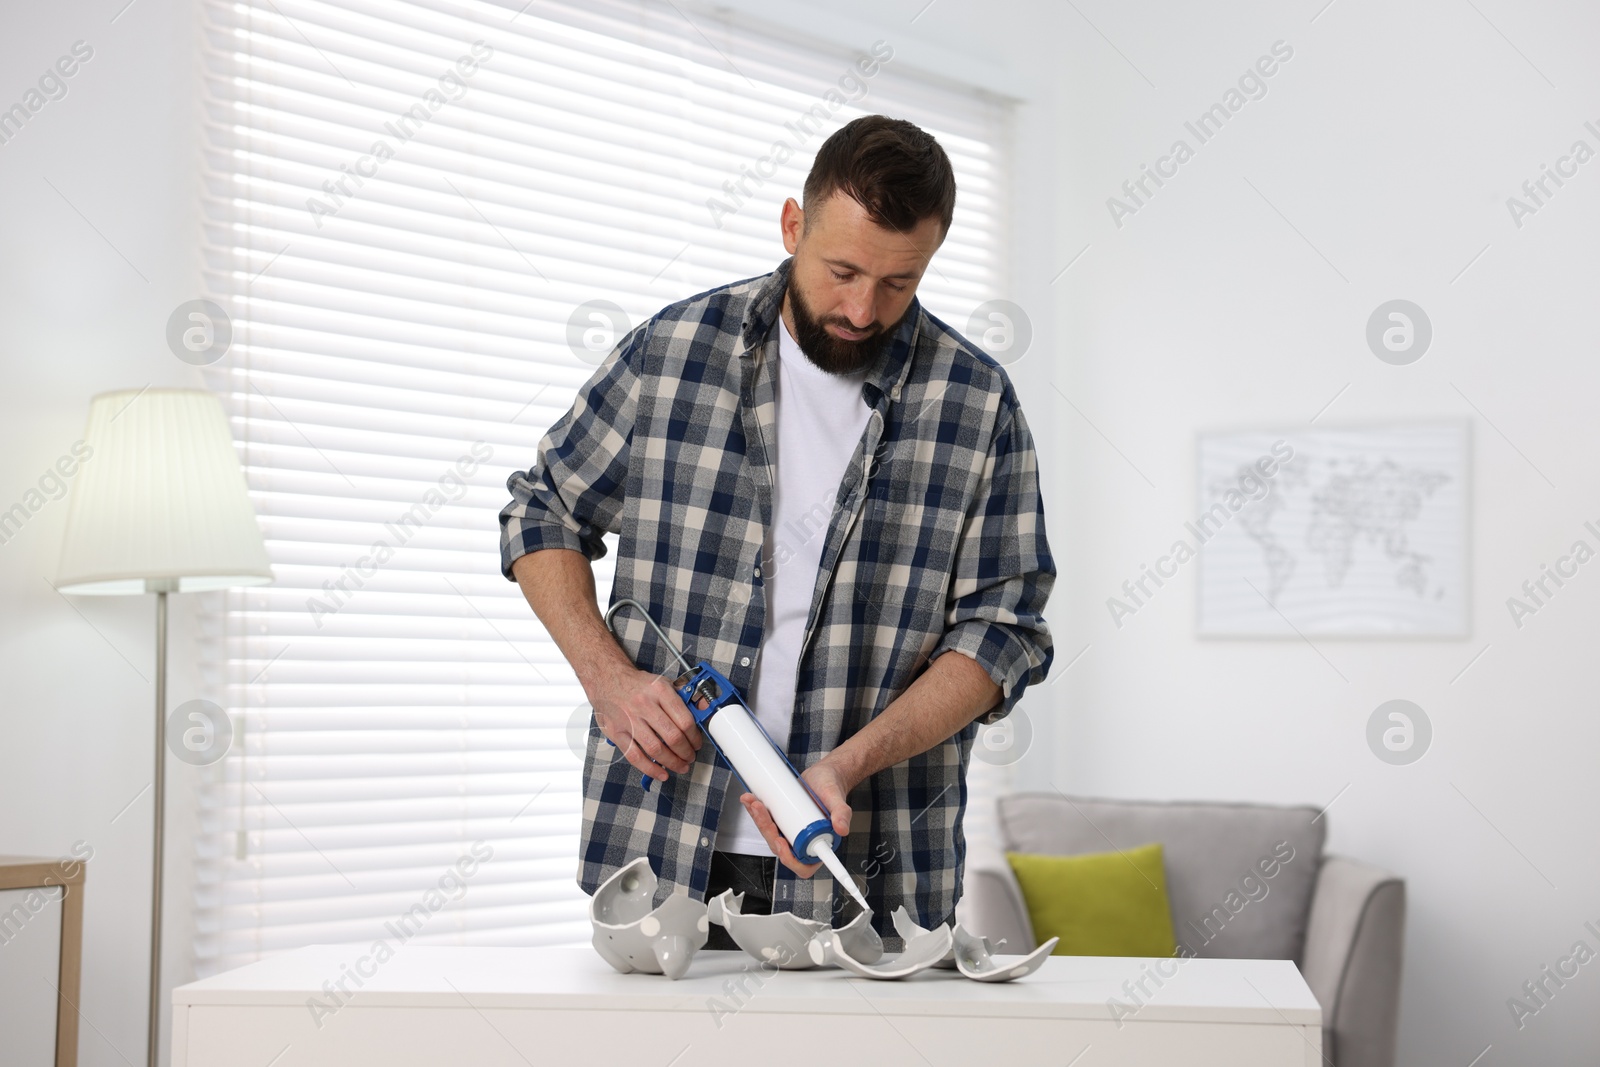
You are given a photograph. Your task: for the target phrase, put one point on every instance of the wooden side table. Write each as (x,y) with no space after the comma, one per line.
(31,888)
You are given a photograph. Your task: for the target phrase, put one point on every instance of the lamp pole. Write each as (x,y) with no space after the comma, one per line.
(160,822)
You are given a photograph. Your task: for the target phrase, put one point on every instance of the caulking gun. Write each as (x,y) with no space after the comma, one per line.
(755,758)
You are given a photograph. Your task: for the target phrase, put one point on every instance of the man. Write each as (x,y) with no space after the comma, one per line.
(820,489)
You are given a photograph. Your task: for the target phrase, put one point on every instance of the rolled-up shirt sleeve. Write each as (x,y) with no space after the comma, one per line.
(573,494)
(1003,572)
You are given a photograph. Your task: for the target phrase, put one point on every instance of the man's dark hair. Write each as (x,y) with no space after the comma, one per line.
(892,168)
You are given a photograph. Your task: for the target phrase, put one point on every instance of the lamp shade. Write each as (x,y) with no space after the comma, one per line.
(160,503)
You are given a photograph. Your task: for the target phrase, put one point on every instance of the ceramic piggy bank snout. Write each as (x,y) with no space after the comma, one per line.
(632,934)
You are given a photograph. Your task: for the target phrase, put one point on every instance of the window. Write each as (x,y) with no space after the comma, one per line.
(411,211)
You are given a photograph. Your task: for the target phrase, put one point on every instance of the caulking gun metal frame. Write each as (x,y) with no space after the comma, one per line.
(812,838)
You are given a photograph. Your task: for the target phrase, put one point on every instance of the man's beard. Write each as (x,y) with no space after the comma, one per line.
(834,354)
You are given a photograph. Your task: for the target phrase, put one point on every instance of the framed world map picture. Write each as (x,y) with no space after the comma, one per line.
(1337,532)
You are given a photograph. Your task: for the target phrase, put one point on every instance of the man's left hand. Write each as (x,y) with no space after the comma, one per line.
(831,787)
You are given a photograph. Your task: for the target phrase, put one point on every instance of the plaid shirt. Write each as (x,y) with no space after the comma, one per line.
(936,544)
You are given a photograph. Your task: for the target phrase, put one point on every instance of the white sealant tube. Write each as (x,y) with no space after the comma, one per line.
(769,776)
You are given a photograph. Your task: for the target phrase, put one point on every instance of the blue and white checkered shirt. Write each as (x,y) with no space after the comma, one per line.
(936,544)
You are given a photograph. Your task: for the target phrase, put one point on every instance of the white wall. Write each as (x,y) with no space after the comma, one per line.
(1390,141)
(77,318)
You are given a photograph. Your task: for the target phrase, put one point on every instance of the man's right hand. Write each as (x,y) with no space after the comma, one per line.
(645,718)
(639,711)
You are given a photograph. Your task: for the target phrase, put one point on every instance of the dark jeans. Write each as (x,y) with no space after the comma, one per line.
(751,875)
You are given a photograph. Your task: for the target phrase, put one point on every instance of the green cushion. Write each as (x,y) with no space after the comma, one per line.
(1099,903)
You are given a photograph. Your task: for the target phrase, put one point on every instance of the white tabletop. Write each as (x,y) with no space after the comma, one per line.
(574,977)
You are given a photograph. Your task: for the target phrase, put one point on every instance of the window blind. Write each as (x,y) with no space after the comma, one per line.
(411,209)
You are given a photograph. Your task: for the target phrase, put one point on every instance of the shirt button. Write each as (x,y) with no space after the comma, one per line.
(744,661)
(758,572)
(704,841)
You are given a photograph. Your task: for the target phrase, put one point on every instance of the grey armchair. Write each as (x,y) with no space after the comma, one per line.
(1245,881)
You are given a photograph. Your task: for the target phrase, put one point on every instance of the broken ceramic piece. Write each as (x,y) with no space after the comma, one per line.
(785,938)
(860,940)
(924,948)
(631,934)
(973,955)
(779,938)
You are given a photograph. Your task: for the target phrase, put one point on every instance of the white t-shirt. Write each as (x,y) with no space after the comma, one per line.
(820,418)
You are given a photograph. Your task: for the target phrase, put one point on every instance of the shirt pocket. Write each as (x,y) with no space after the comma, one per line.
(906,555)
(914,514)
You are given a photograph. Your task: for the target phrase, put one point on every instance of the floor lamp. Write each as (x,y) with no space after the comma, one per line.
(160,506)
